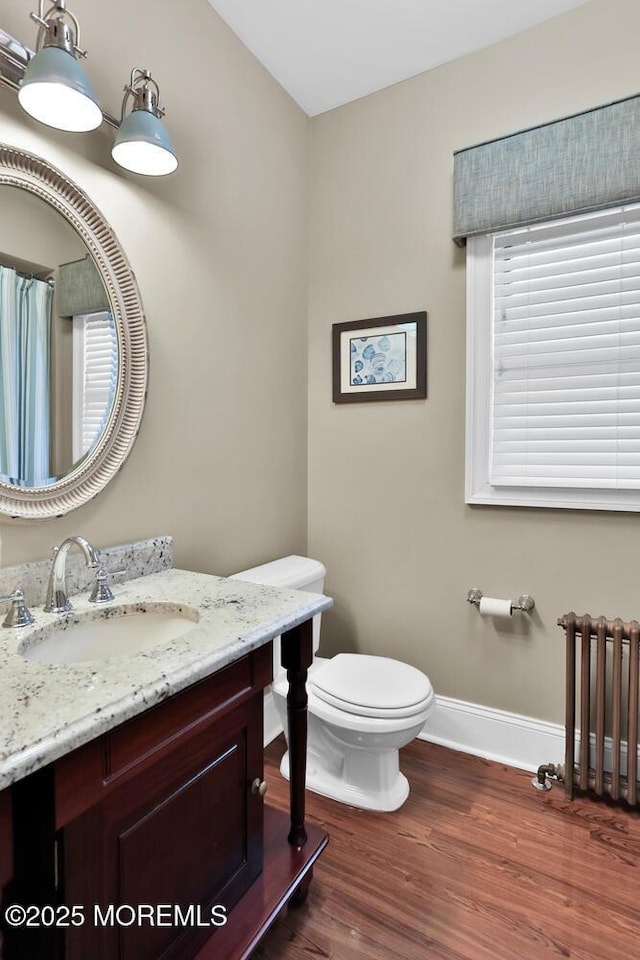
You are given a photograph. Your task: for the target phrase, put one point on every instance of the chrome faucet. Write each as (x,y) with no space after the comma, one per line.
(17,614)
(57,600)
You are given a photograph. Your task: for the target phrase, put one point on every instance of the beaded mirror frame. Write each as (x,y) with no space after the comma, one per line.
(90,475)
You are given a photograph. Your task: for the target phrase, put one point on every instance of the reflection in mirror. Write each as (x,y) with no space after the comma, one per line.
(58,344)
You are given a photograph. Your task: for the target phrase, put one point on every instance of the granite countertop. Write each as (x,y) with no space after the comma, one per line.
(49,710)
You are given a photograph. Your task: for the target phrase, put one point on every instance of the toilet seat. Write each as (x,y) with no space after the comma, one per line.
(370,686)
(349,720)
(381,713)
(343,719)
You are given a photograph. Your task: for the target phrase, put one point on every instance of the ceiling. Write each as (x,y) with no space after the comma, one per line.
(328,52)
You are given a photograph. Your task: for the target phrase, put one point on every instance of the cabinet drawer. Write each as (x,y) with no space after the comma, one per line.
(160,727)
(85,776)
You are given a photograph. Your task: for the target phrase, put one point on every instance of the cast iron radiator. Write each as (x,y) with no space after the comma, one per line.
(602,691)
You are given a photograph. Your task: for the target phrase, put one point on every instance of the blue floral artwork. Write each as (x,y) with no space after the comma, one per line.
(378,359)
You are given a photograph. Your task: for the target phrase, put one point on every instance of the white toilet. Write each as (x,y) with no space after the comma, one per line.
(362,709)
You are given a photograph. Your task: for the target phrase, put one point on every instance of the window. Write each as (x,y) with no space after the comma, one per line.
(553,363)
(95,372)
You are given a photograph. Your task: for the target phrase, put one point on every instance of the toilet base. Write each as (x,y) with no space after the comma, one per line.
(322,781)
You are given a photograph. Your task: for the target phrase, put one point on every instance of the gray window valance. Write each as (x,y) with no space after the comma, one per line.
(584,162)
(80,289)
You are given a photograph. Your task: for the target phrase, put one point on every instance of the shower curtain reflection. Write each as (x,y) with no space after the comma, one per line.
(25,348)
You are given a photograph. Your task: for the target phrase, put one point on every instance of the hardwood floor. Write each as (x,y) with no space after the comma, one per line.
(476,866)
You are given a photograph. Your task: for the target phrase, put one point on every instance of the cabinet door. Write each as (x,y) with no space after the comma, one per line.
(6,846)
(187,832)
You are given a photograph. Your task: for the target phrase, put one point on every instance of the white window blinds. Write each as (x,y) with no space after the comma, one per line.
(95,360)
(565,391)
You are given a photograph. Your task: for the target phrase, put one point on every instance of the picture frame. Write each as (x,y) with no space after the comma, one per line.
(384,358)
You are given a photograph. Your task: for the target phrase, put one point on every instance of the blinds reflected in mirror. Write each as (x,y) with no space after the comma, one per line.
(95,374)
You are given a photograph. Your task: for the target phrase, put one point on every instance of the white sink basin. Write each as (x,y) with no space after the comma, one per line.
(113,632)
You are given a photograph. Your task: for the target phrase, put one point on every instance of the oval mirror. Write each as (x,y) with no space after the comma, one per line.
(73,344)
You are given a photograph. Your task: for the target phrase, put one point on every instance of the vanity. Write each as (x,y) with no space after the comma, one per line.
(132,802)
(133,824)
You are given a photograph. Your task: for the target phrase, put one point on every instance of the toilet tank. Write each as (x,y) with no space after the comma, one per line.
(293,573)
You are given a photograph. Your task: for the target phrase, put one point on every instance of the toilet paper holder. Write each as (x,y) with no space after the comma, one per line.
(524,602)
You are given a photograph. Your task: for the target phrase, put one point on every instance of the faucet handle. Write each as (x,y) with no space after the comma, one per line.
(17,614)
(102,592)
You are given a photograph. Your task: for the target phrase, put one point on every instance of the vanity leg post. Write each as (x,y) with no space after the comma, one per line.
(297,654)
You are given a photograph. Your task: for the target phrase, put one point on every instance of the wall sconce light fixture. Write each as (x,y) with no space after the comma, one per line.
(54,88)
(142,144)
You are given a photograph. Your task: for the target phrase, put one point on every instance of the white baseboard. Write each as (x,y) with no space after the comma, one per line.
(508,738)
(472,728)
(272,725)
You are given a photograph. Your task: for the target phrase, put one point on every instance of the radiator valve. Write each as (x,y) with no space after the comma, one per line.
(546,773)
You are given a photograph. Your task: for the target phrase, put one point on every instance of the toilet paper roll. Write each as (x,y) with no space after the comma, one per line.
(492,607)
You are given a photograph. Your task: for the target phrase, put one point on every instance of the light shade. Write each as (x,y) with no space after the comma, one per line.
(144,146)
(56,91)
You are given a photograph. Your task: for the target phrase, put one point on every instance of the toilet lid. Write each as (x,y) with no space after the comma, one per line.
(374,686)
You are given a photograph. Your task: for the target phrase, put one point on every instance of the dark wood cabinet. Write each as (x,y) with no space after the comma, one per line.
(186,833)
(6,845)
(166,809)
(6,838)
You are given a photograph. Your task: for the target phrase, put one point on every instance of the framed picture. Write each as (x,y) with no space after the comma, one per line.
(380,359)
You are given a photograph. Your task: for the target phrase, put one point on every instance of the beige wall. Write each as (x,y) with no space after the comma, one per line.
(219,251)
(386,490)
(33,232)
